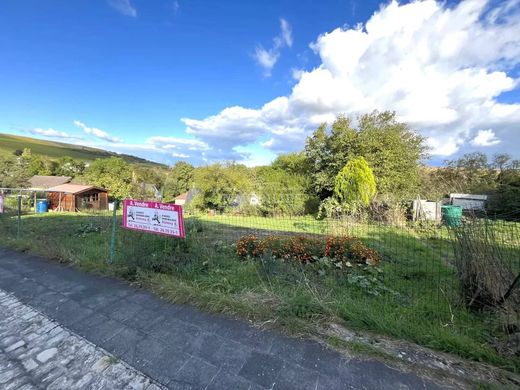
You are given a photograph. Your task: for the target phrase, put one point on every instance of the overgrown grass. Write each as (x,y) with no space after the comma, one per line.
(413,296)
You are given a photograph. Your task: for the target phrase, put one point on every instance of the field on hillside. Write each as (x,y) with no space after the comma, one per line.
(54,150)
(412,295)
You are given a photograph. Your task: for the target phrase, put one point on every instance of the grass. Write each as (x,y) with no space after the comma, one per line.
(413,296)
(54,150)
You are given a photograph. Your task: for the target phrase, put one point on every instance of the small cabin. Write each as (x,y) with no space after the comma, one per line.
(77,197)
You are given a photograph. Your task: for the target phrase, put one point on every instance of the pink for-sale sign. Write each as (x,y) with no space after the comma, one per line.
(153,217)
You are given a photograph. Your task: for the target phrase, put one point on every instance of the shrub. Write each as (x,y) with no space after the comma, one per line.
(483,266)
(303,249)
(350,249)
(246,246)
(355,184)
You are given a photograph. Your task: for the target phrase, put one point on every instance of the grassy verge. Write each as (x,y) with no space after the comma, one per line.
(412,296)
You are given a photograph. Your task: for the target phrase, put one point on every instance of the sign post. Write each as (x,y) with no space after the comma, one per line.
(153,217)
(113,238)
(19,219)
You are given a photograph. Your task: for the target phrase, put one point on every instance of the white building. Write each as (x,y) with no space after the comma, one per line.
(469,201)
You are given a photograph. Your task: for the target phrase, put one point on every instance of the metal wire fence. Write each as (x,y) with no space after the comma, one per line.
(428,277)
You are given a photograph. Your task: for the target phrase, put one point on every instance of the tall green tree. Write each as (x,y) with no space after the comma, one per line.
(355,184)
(471,173)
(218,185)
(13,172)
(282,192)
(179,180)
(67,166)
(294,163)
(113,173)
(319,159)
(505,201)
(391,147)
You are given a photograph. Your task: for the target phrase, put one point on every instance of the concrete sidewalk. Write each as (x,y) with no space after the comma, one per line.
(180,346)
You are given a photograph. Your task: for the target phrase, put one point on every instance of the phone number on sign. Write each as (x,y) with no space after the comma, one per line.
(153,228)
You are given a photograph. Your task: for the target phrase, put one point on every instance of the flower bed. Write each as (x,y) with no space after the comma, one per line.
(303,249)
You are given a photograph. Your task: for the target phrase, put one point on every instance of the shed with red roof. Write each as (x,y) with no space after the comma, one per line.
(77,197)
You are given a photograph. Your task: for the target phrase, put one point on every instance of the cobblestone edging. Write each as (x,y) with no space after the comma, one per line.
(38,353)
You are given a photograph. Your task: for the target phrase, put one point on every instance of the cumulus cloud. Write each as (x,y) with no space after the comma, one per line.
(485,138)
(440,67)
(124,7)
(52,133)
(98,133)
(267,58)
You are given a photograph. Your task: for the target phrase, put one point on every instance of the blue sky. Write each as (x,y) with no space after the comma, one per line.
(244,80)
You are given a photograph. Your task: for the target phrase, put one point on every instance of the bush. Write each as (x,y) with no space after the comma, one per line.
(483,266)
(303,249)
(350,249)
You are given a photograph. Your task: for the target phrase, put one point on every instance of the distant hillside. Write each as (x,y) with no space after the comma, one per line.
(54,150)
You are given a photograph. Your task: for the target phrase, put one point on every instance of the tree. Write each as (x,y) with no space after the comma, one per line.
(294,163)
(218,185)
(67,166)
(13,172)
(500,160)
(113,173)
(472,173)
(392,148)
(505,200)
(394,151)
(319,157)
(282,192)
(355,184)
(180,179)
(38,165)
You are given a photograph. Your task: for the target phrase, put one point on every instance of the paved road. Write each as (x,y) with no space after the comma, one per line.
(181,347)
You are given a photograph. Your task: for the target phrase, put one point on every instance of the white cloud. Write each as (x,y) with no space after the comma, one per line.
(440,68)
(267,58)
(180,155)
(101,134)
(51,133)
(124,7)
(285,37)
(485,138)
(169,143)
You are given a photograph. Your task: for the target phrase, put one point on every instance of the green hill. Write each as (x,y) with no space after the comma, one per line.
(54,150)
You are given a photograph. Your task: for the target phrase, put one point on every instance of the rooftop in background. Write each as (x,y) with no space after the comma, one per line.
(183,196)
(75,188)
(45,182)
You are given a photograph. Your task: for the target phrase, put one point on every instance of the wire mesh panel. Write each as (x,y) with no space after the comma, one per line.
(416,280)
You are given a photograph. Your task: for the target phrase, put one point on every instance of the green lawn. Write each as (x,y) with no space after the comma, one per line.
(412,296)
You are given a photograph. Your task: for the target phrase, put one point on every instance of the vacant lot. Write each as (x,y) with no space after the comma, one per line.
(413,295)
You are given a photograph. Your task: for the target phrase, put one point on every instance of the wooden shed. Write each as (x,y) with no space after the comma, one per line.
(77,197)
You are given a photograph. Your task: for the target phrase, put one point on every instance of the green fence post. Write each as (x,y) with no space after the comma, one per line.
(19,222)
(114,232)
